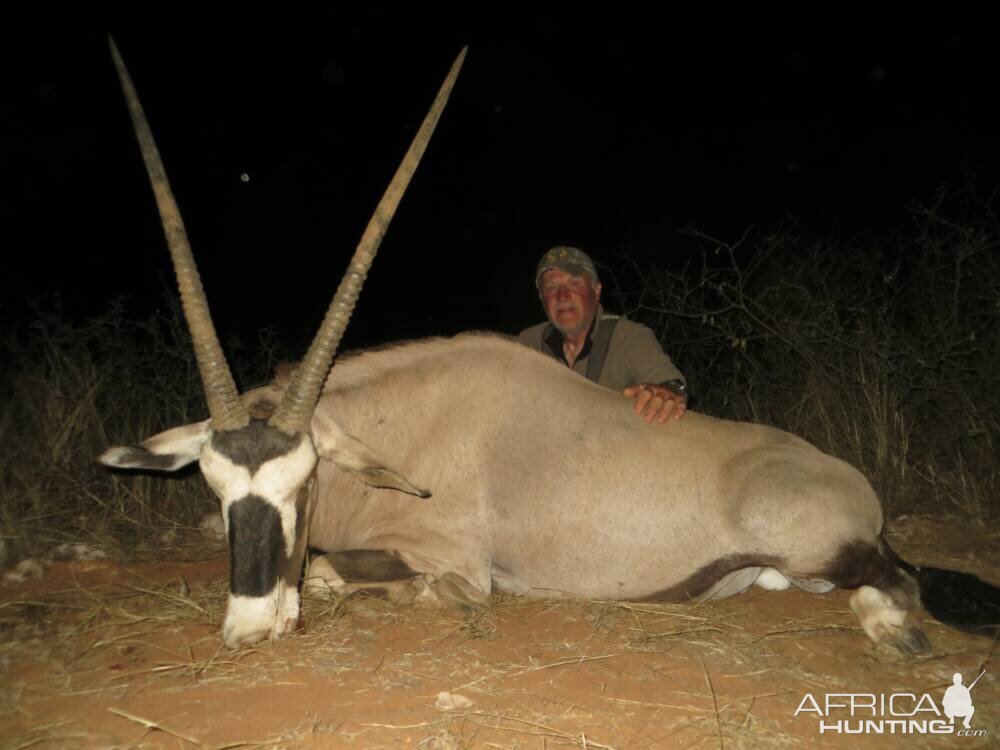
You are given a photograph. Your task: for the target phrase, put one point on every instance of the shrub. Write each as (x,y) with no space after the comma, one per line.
(885,354)
(72,389)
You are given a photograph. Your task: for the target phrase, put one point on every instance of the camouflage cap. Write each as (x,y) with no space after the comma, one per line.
(570,259)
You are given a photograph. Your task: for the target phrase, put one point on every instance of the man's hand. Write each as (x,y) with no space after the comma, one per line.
(655,402)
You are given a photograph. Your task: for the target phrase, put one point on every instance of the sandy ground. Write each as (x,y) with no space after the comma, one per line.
(128,655)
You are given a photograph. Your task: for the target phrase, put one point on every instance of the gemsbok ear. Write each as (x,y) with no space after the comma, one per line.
(351,455)
(167,451)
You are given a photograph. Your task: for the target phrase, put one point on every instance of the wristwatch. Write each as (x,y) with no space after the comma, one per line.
(678,387)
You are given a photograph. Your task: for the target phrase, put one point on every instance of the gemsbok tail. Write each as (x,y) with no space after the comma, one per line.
(959,600)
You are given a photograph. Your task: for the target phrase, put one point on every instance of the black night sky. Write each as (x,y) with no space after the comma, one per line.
(280,129)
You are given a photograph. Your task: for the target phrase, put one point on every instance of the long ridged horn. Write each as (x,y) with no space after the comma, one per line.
(295,411)
(224,405)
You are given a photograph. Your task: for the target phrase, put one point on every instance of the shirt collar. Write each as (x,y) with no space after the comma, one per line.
(552,339)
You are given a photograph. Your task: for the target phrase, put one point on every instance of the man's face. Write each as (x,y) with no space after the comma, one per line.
(569,300)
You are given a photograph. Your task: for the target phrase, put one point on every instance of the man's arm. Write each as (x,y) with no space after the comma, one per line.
(660,391)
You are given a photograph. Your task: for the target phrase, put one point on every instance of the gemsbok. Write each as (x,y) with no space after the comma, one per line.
(528,478)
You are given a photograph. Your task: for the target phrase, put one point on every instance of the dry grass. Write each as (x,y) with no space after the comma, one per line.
(73,389)
(540,673)
(551,673)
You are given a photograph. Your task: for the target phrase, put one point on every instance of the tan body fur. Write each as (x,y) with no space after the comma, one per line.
(551,486)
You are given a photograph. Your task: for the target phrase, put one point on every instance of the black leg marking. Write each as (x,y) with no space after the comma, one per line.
(863,564)
(704,578)
(370,565)
(885,595)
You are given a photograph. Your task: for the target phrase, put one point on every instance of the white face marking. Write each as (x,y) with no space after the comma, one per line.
(250,619)
(277,482)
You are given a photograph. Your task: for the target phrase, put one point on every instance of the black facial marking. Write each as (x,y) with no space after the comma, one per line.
(255,444)
(256,547)
(705,577)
